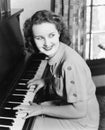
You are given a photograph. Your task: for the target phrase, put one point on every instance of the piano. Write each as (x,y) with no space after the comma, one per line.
(17,66)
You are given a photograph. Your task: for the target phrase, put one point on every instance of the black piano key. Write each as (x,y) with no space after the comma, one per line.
(11,105)
(22,87)
(23,80)
(32,67)
(6,122)
(30,72)
(8,113)
(29,75)
(13,98)
(4,128)
(19,92)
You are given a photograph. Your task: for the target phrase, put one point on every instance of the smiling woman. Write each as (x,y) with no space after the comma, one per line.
(69,101)
(46,38)
(58,23)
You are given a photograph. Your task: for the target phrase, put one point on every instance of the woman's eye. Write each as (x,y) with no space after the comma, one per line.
(38,38)
(51,35)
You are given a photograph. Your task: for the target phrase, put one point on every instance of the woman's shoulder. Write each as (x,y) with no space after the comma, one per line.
(70,52)
(72,58)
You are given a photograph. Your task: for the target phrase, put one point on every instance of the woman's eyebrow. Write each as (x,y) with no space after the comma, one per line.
(37,36)
(53,32)
(41,35)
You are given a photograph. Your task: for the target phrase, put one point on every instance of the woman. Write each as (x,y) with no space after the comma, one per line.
(71,103)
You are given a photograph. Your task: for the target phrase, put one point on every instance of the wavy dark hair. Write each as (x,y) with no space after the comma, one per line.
(43,16)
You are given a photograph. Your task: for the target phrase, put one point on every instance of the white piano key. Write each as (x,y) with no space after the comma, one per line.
(22,83)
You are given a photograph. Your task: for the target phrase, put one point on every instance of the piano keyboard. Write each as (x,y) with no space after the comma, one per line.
(9,120)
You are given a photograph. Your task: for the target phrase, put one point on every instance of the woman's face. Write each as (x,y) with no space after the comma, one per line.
(46,37)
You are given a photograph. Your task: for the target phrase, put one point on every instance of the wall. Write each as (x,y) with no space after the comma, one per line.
(29,6)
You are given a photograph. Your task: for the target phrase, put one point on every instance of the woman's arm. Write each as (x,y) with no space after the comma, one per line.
(75,110)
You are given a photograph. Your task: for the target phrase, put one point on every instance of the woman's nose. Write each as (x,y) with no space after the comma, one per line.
(46,42)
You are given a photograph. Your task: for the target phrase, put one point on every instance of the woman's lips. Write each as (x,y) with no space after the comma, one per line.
(48,48)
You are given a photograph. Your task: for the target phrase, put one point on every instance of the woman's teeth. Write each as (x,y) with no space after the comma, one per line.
(48,48)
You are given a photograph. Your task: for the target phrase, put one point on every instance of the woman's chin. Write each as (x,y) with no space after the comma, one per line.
(48,53)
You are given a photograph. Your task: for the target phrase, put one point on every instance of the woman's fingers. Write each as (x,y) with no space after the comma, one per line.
(31,85)
(21,107)
(27,111)
(17,108)
(31,114)
(36,85)
(28,115)
(23,111)
(30,81)
(37,88)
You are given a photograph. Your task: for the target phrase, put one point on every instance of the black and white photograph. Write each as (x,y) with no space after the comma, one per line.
(52,64)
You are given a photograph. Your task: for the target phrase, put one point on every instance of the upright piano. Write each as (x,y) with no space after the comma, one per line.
(17,66)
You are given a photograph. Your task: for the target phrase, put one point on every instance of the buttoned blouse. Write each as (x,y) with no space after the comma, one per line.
(72,77)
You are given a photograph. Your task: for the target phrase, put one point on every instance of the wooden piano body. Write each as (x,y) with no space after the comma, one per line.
(11,47)
(16,68)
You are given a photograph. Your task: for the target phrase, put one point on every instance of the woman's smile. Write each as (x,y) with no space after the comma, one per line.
(48,48)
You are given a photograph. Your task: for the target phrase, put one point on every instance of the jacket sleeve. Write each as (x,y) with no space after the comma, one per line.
(75,82)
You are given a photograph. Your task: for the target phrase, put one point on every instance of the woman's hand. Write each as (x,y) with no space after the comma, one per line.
(27,111)
(36,84)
